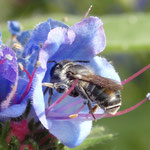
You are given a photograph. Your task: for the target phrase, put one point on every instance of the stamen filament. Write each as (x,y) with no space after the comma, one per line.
(87,13)
(27,73)
(88,116)
(62,97)
(135,75)
(28,87)
(2,61)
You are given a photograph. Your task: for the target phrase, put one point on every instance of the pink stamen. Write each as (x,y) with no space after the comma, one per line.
(88,116)
(2,61)
(135,75)
(27,73)
(128,110)
(28,87)
(62,97)
(69,106)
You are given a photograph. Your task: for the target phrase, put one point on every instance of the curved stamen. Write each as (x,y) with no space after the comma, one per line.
(88,116)
(62,97)
(135,75)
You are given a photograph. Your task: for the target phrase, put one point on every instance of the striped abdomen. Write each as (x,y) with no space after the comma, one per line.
(109,100)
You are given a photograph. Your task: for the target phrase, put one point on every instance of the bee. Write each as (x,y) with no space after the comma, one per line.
(104,92)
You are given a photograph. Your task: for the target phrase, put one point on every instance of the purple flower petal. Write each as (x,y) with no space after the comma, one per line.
(81,42)
(38,98)
(13,111)
(8,72)
(103,68)
(40,34)
(8,69)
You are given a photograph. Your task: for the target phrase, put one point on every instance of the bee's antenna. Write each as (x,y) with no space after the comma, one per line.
(82,61)
(52,61)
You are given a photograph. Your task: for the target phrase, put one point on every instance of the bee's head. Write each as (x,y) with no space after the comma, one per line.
(58,71)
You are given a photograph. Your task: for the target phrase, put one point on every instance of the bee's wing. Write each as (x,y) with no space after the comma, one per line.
(100,81)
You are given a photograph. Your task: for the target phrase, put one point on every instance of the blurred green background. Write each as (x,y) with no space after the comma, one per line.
(127,28)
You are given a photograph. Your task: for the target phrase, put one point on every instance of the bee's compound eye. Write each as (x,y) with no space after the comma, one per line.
(58,66)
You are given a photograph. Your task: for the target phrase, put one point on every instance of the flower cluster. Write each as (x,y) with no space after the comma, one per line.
(66,117)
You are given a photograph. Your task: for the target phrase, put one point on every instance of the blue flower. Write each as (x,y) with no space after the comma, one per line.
(14,27)
(13,99)
(82,41)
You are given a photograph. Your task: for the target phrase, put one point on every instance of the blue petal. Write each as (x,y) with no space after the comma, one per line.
(22,84)
(8,69)
(24,37)
(14,27)
(38,98)
(90,38)
(82,41)
(71,133)
(54,24)
(103,68)
(13,111)
(40,34)
(5,88)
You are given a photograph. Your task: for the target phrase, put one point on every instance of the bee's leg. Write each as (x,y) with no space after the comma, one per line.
(45,91)
(89,103)
(50,96)
(49,86)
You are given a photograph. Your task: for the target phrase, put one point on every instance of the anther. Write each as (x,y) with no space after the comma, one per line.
(20,66)
(38,64)
(73,116)
(17,46)
(148,96)
(23,69)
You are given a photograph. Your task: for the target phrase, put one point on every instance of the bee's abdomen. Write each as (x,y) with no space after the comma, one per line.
(109,100)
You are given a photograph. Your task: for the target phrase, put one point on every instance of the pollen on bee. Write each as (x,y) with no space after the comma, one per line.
(73,116)
(95,108)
